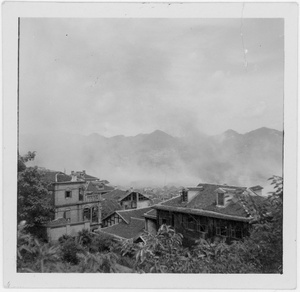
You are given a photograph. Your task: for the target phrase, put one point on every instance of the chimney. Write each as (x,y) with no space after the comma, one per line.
(184,195)
(224,196)
(73,176)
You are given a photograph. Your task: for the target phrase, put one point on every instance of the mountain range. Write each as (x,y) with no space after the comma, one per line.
(159,158)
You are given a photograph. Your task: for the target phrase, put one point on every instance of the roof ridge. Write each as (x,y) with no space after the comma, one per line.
(221,185)
(121,216)
(137,218)
(167,200)
(126,210)
(202,211)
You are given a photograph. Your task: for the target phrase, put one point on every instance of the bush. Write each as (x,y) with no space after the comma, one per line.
(101,243)
(70,249)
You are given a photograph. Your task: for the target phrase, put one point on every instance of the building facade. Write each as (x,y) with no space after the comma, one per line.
(208,211)
(77,206)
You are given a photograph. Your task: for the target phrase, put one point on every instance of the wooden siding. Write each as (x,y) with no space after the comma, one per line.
(194,227)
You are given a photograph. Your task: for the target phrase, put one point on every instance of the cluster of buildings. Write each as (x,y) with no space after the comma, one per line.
(205,211)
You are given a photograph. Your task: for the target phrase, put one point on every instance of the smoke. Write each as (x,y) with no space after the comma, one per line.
(159,159)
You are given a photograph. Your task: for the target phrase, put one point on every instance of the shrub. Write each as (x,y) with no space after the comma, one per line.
(101,243)
(70,249)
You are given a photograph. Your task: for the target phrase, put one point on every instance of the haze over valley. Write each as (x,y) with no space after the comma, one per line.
(159,159)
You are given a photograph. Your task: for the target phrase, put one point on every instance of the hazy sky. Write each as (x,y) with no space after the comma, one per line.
(130,76)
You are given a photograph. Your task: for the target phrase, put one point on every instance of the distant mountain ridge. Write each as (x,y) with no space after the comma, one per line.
(230,157)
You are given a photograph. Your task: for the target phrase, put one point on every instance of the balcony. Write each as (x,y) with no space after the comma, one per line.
(92,198)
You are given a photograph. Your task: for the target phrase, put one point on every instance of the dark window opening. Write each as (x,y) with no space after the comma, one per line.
(67,215)
(68,194)
(80,194)
(87,214)
(191,223)
(202,227)
(222,231)
(95,214)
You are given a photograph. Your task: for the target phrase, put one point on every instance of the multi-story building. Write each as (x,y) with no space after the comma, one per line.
(208,211)
(77,204)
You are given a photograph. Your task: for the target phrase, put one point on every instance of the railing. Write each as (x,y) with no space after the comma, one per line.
(92,198)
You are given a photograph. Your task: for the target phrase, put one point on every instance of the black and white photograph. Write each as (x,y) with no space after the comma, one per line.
(153,144)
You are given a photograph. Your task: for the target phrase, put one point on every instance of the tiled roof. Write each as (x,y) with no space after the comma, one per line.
(109,206)
(156,200)
(91,187)
(101,187)
(90,177)
(151,214)
(256,188)
(55,176)
(205,203)
(116,194)
(119,195)
(127,231)
(127,215)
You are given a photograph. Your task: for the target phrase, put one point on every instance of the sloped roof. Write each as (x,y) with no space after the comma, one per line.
(151,214)
(101,187)
(156,200)
(119,195)
(91,187)
(116,195)
(127,215)
(256,188)
(109,206)
(90,177)
(127,231)
(55,176)
(205,203)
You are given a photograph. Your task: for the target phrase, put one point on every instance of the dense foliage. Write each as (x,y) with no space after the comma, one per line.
(34,199)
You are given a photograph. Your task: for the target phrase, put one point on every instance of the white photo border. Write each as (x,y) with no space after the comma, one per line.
(11,11)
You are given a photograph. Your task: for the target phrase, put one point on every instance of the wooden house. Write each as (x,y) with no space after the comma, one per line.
(207,211)
(125,224)
(129,199)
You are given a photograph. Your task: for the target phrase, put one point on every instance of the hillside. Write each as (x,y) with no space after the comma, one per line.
(159,159)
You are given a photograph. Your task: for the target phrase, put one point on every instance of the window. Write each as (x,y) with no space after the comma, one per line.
(220,201)
(87,214)
(191,223)
(68,194)
(222,231)
(94,214)
(142,198)
(67,215)
(202,225)
(222,228)
(80,194)
(236,232)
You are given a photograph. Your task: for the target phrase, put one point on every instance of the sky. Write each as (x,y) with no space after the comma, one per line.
(131,76)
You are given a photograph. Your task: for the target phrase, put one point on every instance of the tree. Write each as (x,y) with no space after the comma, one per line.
(34,200)
(23,159)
